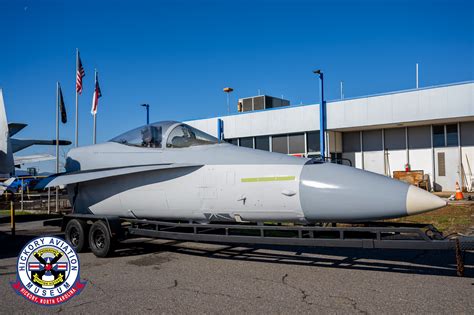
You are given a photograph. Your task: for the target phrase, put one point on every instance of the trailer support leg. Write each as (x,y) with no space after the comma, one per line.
(12,218)
(459,259)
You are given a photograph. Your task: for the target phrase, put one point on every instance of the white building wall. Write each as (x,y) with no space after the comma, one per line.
(373,161)
(396,160)
(436,103)
(269,122)
(402,107)
(358,160)
(421,159)
(468,167)
(207,125)
(420,107)
(467,154)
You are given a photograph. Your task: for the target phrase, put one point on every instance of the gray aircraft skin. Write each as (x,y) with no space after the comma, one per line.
(171,171)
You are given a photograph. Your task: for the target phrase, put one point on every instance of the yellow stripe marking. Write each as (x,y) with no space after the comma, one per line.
(266,179)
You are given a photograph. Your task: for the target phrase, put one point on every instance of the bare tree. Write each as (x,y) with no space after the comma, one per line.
(63,151)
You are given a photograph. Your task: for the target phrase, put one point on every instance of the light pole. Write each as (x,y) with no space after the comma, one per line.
(147,106)
(322,117)
(228,90)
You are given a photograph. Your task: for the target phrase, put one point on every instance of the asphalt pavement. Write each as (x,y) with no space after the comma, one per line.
(155,276)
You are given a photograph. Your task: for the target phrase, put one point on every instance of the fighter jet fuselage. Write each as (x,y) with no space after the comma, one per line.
(171,171)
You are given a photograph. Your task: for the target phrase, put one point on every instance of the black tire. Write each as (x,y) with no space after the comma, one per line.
(76,234)
(100,242)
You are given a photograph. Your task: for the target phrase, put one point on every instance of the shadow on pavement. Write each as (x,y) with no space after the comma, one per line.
(5,219)
(427,262)
(423,262)
(11,246)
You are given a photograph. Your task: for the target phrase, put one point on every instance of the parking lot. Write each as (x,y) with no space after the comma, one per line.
(182,277)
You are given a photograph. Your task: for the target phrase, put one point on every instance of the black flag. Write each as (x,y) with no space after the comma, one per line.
(62,107)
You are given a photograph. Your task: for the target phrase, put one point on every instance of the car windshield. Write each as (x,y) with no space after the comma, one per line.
(148,136)
(183,136)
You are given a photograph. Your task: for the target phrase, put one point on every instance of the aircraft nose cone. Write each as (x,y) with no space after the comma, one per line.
(330,192)
(419,200)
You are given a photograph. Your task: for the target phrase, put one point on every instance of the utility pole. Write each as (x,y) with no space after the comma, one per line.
(57,143)
(147,106)
(228,90)
(322,117)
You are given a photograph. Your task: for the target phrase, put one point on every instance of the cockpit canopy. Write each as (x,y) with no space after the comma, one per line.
(171,134)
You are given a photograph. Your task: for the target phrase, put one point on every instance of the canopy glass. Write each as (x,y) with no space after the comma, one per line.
(151,136)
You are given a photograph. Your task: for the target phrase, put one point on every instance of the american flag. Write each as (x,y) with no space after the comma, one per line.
(97,94)
(79,74)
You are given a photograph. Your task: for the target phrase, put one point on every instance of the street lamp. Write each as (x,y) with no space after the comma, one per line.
(228,90)
(147,106)
(322,117)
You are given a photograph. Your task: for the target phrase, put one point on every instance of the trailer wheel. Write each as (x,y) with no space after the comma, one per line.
(76,234)
(100,240)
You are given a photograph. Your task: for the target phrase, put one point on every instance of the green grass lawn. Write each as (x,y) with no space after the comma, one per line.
(17,212)
(450,219)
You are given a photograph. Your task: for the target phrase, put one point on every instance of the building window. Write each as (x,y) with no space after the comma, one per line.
(351,141)
(280,144)
(232,141)
(445,135)
(467,134)
(372,140)
(419,137)
(296,143)
(395,139)
(452,135)
(336,158)
(246,142)
(262,143)
(438,136)
(313,141)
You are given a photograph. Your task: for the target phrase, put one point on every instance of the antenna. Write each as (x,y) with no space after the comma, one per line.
(342,90)
(417,75)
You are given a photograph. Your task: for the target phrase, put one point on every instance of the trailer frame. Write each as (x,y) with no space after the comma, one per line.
(366,235)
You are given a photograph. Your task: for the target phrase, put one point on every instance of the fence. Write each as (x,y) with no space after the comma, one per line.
(36,201)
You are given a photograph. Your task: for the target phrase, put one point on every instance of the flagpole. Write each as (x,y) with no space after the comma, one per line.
(57,143)
(94,131)
(94,137)
(77,101)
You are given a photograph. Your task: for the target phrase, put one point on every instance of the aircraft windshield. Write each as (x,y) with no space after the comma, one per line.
(184,136)
(148,136)
(151,136)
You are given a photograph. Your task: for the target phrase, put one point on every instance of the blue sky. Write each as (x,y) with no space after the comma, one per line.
(178,55)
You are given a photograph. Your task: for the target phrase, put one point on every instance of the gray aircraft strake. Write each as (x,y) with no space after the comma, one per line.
(171,171)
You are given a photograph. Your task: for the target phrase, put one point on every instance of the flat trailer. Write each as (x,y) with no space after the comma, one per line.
(102,233)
